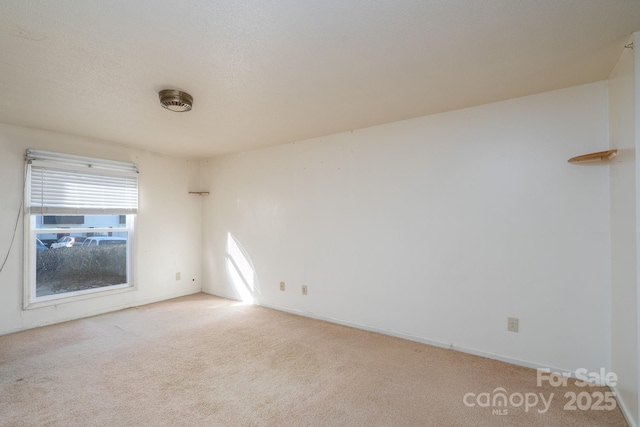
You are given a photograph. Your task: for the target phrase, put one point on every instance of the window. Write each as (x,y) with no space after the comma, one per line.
(79,226)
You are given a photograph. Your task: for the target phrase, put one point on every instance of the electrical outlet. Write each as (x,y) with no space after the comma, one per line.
(282,286)
(304,289)
(178,276)
(512,324)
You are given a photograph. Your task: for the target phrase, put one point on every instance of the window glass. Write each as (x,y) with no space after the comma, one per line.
(66,265)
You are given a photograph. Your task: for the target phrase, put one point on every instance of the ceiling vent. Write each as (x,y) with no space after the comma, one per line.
(175,100)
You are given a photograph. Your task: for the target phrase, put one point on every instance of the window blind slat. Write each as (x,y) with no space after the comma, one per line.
(55,188)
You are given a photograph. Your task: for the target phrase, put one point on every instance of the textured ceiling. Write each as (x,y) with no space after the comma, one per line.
(266,73)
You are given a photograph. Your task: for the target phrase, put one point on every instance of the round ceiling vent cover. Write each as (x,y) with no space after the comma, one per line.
(175,100)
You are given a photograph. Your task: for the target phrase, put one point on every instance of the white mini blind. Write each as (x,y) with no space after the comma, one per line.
(60,184)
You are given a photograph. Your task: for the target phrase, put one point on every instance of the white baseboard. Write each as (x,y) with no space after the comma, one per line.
(625,410)
(450,346)
(90,313)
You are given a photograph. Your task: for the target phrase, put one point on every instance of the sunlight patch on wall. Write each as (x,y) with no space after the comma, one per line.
(241,270)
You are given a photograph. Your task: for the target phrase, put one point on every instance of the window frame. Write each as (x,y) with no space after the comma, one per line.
(31,230)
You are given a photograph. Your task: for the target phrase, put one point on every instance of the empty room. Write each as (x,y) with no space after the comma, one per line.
(319,213)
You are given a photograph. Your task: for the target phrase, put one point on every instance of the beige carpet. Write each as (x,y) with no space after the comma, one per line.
(207,361)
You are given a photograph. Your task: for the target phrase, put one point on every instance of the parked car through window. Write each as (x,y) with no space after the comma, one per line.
(104,241)
(64,242)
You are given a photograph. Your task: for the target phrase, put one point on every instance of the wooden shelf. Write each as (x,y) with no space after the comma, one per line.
(200,193)
(600,156)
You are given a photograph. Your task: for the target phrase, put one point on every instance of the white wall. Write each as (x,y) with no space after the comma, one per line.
(167,230)
(436,228)
(624,332)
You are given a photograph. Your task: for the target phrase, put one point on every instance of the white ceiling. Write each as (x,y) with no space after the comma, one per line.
(265,73)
